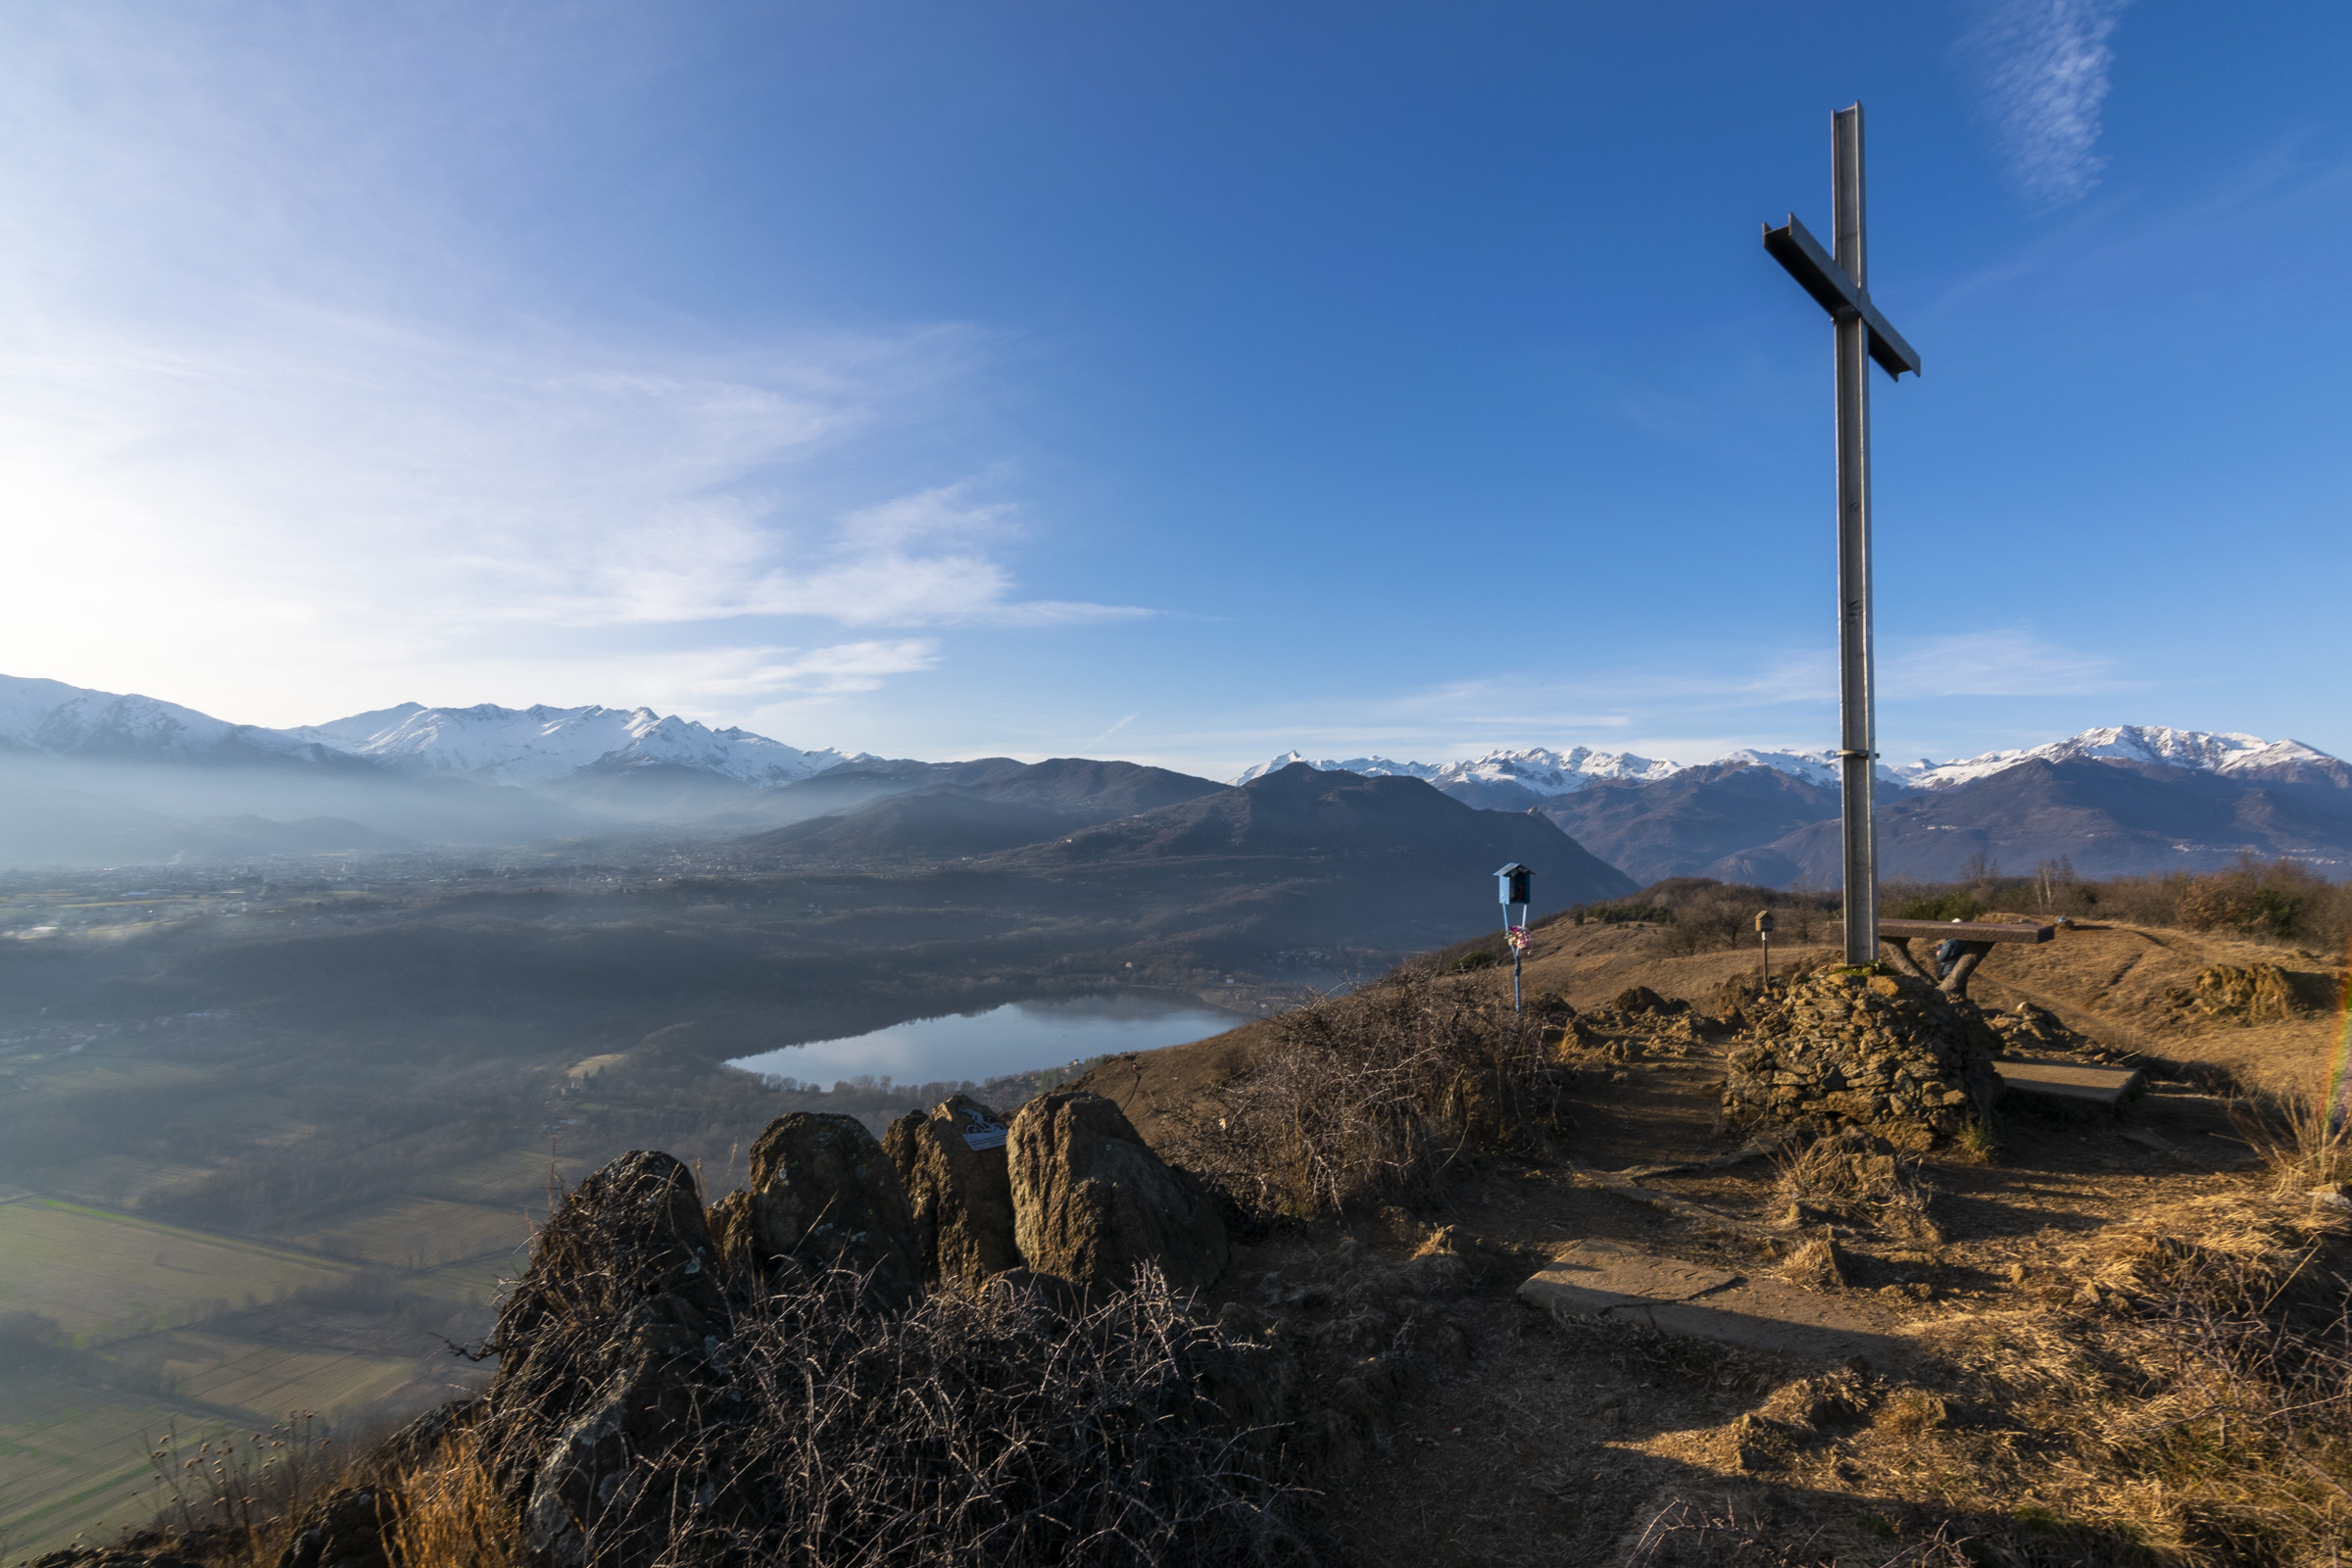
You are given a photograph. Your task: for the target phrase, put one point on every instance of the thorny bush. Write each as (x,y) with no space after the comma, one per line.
(1369,1096)
(982,1430)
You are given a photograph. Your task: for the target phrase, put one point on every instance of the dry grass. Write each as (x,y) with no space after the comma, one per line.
(243,1493)
(1724,1537)
(450,1512)
(1857,1178)
(1368,1096)
(2184,1397)
(2304,1140)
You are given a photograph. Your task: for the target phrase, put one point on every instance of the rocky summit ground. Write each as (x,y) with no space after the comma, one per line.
(2007,1412)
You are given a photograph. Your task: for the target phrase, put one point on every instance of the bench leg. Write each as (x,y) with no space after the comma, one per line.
(1973,953)
(1899,954)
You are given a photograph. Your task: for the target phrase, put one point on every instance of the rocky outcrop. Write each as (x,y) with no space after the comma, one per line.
(953,1166)
(350,1527)
(1091,1203)
(822,1194)
(1887,1054)
(606,1346)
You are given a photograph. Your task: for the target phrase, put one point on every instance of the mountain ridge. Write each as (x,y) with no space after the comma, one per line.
(1544,772)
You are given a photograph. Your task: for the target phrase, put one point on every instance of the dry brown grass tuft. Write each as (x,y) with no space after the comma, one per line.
(2305,1141)
(1367,1097)
(450,1512)
(1860,1179)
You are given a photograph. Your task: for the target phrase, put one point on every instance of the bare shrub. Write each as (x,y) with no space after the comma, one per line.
(2270,901)
(986,1428)
(1369,1095)
(242,1492)
(1700,914)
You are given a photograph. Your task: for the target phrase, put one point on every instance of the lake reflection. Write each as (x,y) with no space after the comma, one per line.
(980,1046)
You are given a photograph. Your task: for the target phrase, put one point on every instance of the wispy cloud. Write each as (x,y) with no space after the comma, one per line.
(2046,65)
(2001,662)
(279,417)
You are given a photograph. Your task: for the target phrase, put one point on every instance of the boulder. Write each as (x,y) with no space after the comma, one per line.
(823,1194)
(606,1348)
(952,1167)
(1091,1203)
(350,1527)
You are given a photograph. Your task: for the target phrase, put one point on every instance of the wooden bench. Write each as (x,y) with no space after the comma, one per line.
(1977,938)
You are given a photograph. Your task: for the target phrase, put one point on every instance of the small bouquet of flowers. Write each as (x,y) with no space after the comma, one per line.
(1518,937)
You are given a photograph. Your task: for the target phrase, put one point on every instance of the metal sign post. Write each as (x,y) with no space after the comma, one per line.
(1764,935)
(1839,282)
(1514,883)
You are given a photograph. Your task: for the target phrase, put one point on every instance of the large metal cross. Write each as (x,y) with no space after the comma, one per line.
(1840,283)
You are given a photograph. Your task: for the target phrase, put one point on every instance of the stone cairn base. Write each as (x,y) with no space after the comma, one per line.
(1853,1048)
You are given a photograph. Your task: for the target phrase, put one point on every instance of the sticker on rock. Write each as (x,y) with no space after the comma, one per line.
(982,1133)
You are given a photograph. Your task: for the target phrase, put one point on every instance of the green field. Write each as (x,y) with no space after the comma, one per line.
(105,1276)
(419,1233)
(71,1452)
(163,1326)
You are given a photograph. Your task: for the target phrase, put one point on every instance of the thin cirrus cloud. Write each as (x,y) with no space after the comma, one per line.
(2044,65)
(389,496)
(268,384)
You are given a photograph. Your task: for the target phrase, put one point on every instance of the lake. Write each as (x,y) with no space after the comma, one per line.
(979,1045)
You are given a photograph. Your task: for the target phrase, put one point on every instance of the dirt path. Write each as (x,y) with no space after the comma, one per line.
(1560,1441)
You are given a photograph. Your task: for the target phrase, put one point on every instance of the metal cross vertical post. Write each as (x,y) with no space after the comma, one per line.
(1857,720)
(1839,282)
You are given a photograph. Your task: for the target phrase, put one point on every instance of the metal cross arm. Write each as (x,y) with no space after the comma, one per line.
(1823,278)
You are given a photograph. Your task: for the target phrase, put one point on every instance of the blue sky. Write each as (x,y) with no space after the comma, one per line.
(1178,383)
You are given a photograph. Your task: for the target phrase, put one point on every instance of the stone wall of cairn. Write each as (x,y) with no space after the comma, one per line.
(1854,1047)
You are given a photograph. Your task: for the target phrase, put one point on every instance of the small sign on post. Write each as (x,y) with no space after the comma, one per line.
(1515,883)
(1764,935)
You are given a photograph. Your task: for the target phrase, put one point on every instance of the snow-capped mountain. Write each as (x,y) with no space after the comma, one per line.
(533,745)
(1535,769)
(487,743)
(1543,771)
(2198,750)
(1368,767)
(54,718)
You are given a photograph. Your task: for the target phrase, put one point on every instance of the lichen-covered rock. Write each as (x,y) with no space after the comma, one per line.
(606,1346)
(823,1194)
(951,1164)
(1889,1053)
(1091,1203)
